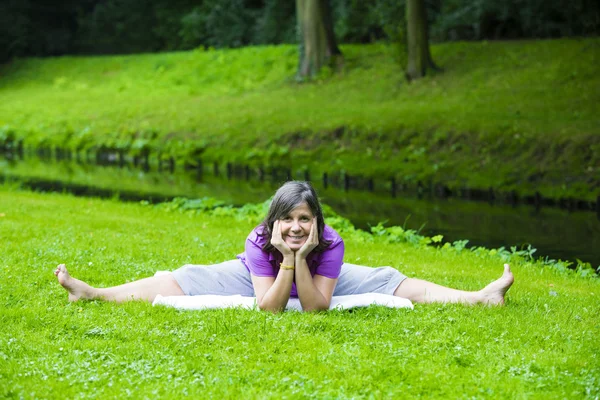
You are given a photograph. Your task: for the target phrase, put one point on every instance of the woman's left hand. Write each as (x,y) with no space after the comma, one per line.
(311,242)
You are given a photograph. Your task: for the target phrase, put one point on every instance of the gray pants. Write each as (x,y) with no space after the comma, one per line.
(232,277)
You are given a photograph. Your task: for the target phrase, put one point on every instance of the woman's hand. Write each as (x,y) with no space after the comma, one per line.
(311,242)
(278,242)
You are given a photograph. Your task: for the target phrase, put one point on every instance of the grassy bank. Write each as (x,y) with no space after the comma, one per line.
(512,115)
(543,344)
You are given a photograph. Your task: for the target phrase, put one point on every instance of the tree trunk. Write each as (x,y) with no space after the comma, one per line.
(318,46)
(419,57)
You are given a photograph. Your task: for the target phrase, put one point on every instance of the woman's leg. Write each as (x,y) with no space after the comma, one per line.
(421,291)
(144,289)
(224,279)
(358,279)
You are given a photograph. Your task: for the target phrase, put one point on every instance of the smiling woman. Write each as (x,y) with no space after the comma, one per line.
(292,253)
(295,227)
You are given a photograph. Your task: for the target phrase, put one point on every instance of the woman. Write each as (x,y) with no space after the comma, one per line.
(291,253)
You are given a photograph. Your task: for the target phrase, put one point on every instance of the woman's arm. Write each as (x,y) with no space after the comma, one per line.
(272,294)
(314,293)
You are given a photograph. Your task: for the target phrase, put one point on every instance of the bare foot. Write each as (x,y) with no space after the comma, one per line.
(493,293)
(77,289)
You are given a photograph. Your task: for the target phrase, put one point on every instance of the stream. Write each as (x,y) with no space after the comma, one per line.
(555,233)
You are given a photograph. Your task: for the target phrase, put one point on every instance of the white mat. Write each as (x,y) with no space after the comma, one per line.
(208,302)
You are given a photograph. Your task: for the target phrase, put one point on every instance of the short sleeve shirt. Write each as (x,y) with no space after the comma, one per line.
(261,263)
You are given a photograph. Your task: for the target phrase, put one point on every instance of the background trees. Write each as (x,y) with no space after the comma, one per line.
(417,37)
(318,45)
(54,27)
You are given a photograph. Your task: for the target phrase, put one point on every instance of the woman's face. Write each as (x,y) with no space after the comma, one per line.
(296,226)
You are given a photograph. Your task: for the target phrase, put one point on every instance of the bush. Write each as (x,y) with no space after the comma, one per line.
(487,19)
(276,23)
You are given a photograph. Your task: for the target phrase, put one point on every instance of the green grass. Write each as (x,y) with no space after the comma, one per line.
(543,344)
(513,115)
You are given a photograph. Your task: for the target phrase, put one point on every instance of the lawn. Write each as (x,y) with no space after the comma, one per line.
(542,344)
(519,115)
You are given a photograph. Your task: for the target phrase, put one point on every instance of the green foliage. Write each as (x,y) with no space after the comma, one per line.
(13,30)
(229,23)
(437,238)
(97,349)
(28,28)
(397,234)
(7,134)
(169,17)
(234,106)
(253,213)
(117,26)
(193,29)
(391,17)
(203,204)
(358,21)
(276,23)
(488,19)
(585,270)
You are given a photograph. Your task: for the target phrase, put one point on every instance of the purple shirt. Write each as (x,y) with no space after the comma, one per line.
(260,263)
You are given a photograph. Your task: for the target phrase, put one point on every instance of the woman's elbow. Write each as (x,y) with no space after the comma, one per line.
(316,308)
(264,306)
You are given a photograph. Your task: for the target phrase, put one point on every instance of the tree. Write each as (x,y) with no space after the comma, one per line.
(318,46)
(419,57)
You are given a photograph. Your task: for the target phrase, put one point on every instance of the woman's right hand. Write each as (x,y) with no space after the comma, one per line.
(278,242)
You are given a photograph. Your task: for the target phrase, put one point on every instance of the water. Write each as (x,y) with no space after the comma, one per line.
(556,233)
